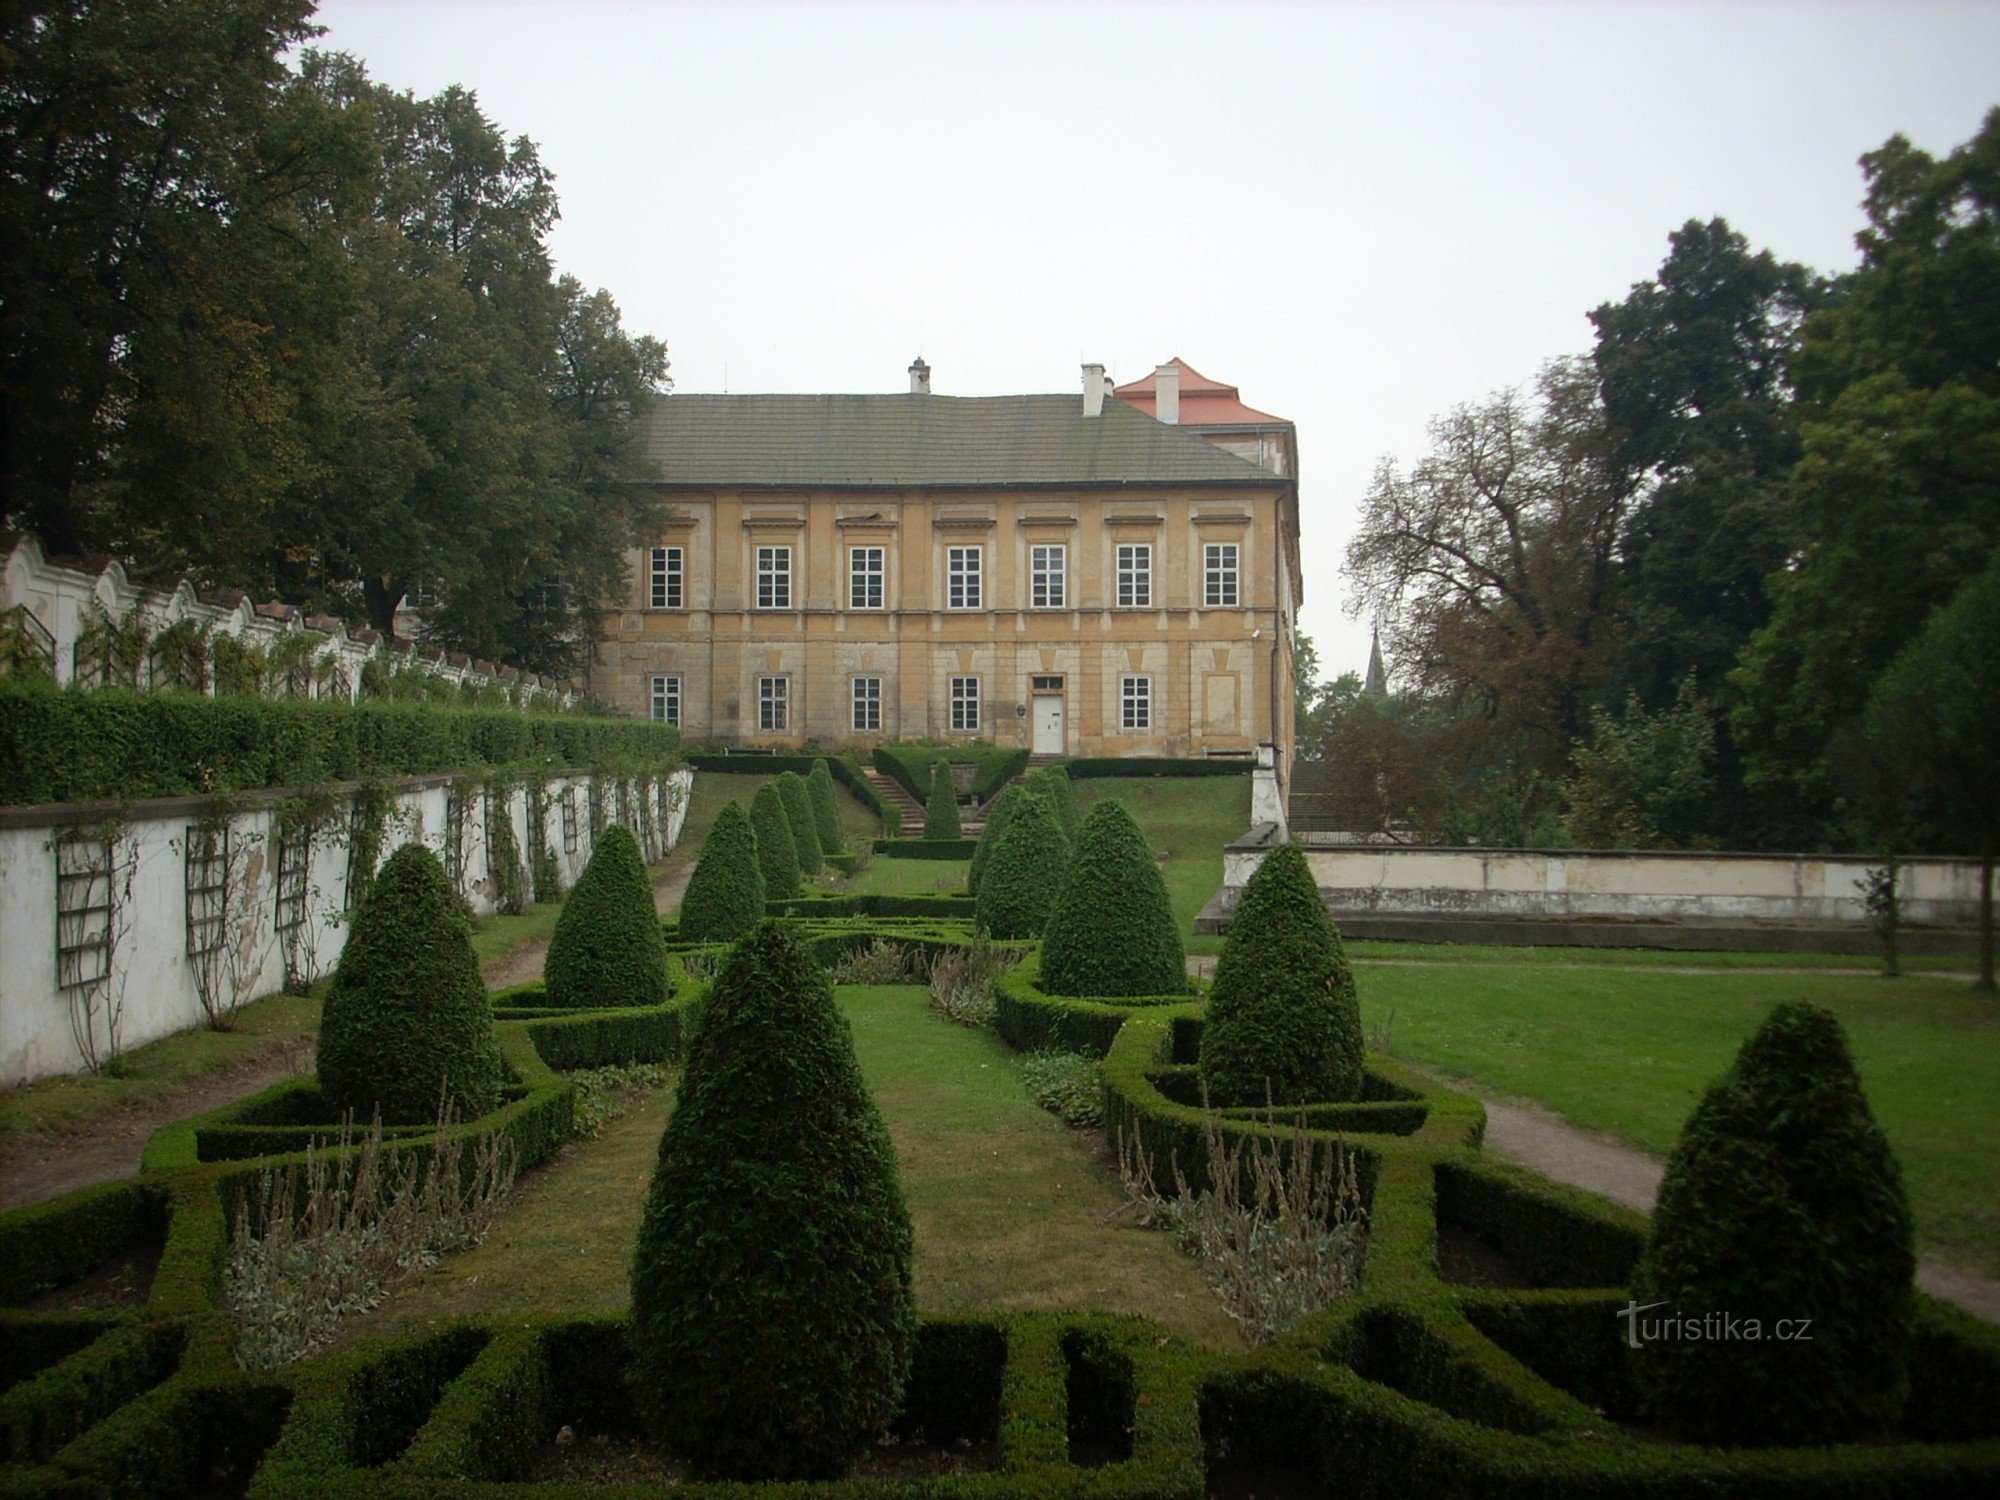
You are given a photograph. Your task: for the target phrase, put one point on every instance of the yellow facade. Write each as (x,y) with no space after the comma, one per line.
(1195,669)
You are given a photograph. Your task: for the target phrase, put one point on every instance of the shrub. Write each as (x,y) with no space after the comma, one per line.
(771,1303)
(1068,1084)
(1112,930)
(776,852)
(606,949)
(941,811)
(881,962)
(1024,874)
(826,810)
(406,1018)
(1782,1200)
(725,895)
(799,818)
(1283,1020)
(965,981)
(998,812)
(1054,781)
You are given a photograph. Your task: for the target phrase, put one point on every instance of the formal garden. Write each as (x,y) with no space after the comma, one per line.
(959,1166)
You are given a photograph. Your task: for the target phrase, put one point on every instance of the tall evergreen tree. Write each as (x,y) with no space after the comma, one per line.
(725,895)
(799,815)
(826,810)
(776,853)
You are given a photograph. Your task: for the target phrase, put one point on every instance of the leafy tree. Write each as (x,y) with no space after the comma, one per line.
(941,808)
(1111,931)
(607,948)
(826,810)
(1642,781)
(1781,1201)
(776,852)
(1492,562)
(725,895)
(772,1313)
(1899,411)
(799,817)
(1025,872)
(406,1022)
(1284,1023)
(1934,717)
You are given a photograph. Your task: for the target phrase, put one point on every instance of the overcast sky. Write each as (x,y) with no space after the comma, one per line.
(1361,214)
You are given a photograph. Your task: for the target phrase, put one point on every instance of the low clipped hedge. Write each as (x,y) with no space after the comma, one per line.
(925,848)
(832,905)
(911,765)
(1101,768)
(78,745)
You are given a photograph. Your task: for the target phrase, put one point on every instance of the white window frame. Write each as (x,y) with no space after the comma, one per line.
(867,577)
(1048,575)
(1135,702)
(964,574)
(865,712)
(1222,571)
(965,705)
(774,577)
(1135,575)
(668,578)
(666,699)
(774,705)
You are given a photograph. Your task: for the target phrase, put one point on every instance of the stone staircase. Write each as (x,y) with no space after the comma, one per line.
(906,808)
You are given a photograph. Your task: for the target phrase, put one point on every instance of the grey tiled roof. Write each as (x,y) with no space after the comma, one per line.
(923,441)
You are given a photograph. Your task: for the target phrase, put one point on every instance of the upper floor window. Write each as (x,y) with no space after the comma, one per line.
(1048,570)
(774,577)
(961,572)
(868,703)
(1220,572)
(864,577)
(774,704)
(668,570)
(965,704)
(1135,702)
(667,700)
(1135,575)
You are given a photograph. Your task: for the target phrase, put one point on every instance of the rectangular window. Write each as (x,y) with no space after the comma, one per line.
(1135,575)
(667,574)
(774,701)
(1135,698)
(1048,568)
(1045,684)
(206,858)
(1220,590)
(86,869)
(961,572)
(667,700)
(868,703)
(774,577)
(294,854)
(864,577)
(965,704)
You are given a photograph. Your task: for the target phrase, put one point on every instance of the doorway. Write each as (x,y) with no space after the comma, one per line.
(1048,709)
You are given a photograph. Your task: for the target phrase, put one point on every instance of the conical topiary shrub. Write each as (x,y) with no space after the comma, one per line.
(941,812)
(799,817)
(606,949)
(998,811)
(406,1023)
(725,895)
(1782,1202)
(826,810)
(1283,1020)
(1112,929)
(1054,780)
(772,1317)
(1025,872)
(776,852)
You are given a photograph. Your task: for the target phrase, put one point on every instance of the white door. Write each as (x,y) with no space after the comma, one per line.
(1049,725)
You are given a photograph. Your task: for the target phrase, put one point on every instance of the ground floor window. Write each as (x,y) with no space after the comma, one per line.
(964,704)
(868,703)
(667,700)
(1135,697)
(774,703)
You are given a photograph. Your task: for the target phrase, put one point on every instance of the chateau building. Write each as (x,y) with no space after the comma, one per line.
(1081,575)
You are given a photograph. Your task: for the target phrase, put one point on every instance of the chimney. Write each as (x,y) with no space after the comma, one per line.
(1167,394)
(1093,390)
(920,377)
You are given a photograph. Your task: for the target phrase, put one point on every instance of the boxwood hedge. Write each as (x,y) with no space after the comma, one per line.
(606,948)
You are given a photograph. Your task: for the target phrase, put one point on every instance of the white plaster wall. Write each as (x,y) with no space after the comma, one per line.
(152,974)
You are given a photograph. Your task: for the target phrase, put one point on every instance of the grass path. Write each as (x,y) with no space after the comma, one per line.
(1010,1207)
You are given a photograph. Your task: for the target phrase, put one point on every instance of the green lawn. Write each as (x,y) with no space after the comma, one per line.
(1630,1051)
(1010,1207)
(1647,958)
(910,877)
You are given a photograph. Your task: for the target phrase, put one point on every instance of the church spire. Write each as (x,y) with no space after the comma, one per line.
(1377,684)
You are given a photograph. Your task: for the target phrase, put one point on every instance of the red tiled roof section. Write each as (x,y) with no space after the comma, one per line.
(1204,402)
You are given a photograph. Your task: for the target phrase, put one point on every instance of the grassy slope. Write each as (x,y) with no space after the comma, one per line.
(1189,821)
(1009,1206)
(1630,1051)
